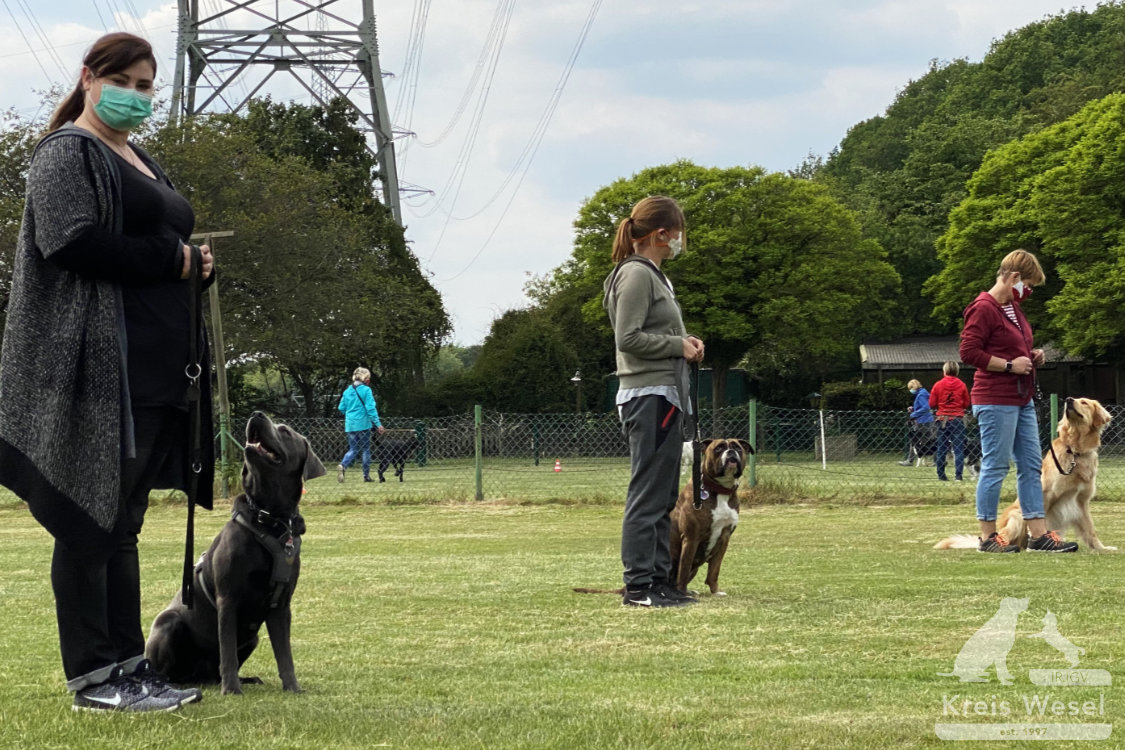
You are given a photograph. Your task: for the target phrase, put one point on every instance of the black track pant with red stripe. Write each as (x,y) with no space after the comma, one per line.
(652,427)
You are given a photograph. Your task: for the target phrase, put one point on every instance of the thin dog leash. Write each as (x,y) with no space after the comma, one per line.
(1039,415)
(696,468)
(193,371)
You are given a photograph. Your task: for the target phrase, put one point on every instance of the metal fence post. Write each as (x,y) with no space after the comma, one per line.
(1054,416)
(752,462)
(823,444)
(420,434)
(535,439)
(477,450)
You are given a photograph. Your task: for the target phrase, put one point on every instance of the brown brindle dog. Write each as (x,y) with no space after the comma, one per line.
(700,535)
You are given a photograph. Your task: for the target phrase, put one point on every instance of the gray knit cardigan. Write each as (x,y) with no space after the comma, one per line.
(65,418)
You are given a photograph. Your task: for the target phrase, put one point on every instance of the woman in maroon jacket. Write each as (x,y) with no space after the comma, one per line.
(949,401)
(996,340)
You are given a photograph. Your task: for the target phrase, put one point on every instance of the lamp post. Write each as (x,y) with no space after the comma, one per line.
(577,380)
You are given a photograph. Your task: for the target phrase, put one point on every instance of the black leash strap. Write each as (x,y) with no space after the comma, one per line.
(193,371)
(696,467)
(1051,443)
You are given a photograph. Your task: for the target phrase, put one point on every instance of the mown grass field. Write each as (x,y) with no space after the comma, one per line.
(454,625)
(866,479)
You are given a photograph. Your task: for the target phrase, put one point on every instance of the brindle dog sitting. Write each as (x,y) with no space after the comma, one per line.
(700,535)
(249,573)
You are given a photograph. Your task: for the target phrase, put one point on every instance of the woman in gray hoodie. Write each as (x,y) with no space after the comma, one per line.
(653,352)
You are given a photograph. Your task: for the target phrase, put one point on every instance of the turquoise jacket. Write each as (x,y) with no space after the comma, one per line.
(358,407)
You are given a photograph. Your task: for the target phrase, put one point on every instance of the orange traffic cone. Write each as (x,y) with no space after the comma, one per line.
(558,465)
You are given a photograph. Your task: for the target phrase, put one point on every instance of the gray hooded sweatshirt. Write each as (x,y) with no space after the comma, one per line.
(648,328)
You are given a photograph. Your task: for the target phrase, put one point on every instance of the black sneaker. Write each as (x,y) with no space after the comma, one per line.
(158,685)
(122,693)
(368,479)
(672,593)
(1050,542)
(996,543)
(648,596)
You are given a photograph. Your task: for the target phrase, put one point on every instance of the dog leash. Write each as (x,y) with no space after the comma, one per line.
(193,371)
(696,469)
(1050,443)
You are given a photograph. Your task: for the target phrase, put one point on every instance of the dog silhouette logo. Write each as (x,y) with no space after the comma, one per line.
(989,646)
(1052,637)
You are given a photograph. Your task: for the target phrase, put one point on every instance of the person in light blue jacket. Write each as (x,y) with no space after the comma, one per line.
(360,415)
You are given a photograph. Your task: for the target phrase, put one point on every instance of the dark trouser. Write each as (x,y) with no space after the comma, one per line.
(950,432)
(652,426)
(98,597)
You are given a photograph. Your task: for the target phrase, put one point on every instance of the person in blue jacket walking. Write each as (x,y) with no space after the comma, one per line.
(922,428)
(360,415)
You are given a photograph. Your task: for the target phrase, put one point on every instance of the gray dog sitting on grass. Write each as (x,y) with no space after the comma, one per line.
(248,575)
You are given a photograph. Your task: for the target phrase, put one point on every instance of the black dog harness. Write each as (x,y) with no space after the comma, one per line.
(280,540)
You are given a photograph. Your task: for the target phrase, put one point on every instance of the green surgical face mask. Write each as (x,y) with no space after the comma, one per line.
(122,108)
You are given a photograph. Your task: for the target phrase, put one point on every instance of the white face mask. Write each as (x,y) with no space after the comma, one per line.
(676,244)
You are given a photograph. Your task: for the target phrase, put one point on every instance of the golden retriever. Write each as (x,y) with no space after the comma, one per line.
(1067,493)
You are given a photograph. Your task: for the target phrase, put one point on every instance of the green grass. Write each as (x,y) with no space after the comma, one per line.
(454,625)
(864,480)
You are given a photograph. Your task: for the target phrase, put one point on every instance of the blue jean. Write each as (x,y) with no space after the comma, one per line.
(359,442)
(951,432)
(1009,432)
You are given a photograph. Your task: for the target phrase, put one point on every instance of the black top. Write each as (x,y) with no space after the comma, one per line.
(156,314)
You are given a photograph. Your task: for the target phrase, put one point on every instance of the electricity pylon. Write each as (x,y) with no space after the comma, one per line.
(246,42)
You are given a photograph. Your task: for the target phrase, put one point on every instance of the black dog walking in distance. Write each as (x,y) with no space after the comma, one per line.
(396,453)
(248,575)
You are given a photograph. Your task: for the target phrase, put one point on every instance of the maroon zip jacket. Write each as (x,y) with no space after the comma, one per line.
(989,333)
(950,397)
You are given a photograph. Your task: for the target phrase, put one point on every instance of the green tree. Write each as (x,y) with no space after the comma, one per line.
(18,137)
(776,276)
(526,363)
(1060,193)
(311,284)
(904,171)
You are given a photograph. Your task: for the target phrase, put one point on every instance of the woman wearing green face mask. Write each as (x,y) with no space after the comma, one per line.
(93,408)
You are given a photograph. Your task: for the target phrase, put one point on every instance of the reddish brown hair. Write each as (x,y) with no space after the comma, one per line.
(112,53)
(652,213)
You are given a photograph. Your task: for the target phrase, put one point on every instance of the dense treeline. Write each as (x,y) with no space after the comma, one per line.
(752,281)
(888,235)
(905,171)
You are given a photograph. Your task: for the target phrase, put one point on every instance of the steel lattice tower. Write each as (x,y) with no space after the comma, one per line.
(221,64)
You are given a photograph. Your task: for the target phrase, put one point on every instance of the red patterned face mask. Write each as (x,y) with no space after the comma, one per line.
(1020,291)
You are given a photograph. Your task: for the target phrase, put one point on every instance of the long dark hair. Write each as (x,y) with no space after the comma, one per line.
(112,53)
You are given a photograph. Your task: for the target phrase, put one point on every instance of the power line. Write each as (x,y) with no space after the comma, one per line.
(23,36)
(411,70)
(43,36)
(99,12)
(540,130)
(471,86)
(537,136)
(456,179)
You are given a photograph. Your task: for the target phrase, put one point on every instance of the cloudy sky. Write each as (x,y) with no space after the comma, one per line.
(522,109)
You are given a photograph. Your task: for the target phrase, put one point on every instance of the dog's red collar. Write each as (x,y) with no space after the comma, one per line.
(711,488)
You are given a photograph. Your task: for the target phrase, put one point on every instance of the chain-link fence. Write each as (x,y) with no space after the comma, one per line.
(802,455)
